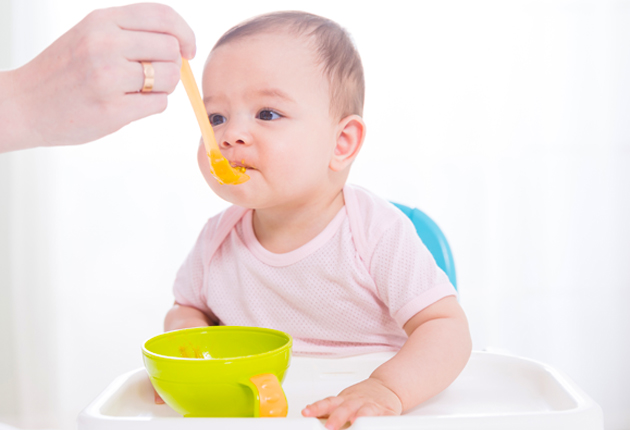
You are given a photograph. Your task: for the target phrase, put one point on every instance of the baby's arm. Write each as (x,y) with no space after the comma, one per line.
(180,316)
(435,353)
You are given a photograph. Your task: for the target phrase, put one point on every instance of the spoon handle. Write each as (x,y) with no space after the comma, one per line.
(200,110)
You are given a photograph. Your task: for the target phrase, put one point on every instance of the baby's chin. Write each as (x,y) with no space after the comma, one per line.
(235,194)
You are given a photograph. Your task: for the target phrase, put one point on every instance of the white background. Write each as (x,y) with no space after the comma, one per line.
(506,121)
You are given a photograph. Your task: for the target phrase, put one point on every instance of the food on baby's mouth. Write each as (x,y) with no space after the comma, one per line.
(241,168)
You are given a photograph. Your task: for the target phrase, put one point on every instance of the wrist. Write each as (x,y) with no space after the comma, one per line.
(395,401)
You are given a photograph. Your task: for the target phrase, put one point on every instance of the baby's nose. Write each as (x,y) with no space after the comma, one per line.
(228,143)
(236,132)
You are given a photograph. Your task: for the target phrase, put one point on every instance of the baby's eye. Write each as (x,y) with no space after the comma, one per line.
(216,119)
(268,115)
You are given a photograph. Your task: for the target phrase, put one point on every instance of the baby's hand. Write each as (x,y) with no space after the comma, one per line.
(157,398)
(367,398)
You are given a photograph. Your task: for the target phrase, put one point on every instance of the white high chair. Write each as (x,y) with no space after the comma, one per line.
(495,391)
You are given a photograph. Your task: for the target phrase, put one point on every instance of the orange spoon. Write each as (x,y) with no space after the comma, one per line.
(219,166)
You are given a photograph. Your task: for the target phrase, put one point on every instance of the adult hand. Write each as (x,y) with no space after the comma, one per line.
(86,84)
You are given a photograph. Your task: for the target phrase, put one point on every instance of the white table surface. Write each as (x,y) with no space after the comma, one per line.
(494,391)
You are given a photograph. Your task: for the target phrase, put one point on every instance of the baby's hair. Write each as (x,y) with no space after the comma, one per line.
(338,55)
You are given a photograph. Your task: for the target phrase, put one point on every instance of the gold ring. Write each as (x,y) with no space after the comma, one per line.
(149,77)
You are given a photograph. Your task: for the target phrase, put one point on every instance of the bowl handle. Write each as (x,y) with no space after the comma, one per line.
(270,400)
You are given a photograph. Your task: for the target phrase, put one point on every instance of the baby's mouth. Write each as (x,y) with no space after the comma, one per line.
(241,166)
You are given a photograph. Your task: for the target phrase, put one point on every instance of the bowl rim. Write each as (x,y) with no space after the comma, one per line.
(153,355)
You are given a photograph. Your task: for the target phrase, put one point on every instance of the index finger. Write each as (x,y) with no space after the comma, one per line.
(157,18)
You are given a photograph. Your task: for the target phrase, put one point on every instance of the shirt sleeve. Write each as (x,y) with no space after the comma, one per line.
(188,286)
(406,275)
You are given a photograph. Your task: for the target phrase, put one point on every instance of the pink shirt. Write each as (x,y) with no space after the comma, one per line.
(348,291)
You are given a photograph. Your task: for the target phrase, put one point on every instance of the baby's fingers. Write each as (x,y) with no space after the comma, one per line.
(350,410)
(322,408)
(346,412)
(157,398)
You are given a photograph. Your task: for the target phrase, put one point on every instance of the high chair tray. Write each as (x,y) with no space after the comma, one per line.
(494,391)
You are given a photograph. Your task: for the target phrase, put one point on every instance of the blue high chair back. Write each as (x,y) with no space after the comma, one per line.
(433,239)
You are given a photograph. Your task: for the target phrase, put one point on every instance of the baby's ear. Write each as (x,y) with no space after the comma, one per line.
(350,136)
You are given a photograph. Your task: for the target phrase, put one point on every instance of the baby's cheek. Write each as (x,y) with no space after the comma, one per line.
(204,163)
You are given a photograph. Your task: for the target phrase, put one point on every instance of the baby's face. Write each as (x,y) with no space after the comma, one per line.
(269,105)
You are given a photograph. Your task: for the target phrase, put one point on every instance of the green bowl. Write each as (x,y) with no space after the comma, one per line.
(220,371)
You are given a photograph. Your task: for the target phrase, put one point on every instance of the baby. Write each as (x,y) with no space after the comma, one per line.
(341,270)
